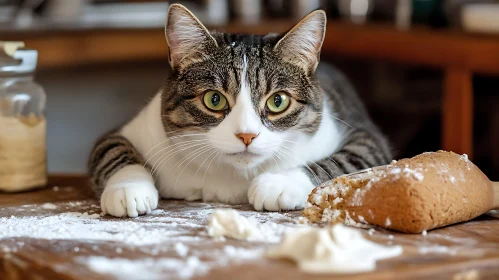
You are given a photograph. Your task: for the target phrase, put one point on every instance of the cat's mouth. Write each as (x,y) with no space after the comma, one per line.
(244,153)
(243,160)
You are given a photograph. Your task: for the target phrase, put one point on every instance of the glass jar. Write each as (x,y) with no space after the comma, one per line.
(23,153)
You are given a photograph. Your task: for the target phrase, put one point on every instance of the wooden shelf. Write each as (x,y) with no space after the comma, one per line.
(83,46)
(421,46)
(458,54)
(418,46)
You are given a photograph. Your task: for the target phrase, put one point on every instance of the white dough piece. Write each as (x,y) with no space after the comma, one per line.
(337,249)
(229,223)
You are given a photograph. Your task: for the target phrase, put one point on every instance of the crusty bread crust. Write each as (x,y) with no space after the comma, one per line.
(425,192)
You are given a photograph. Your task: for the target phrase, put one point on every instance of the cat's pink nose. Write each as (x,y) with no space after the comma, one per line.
(246,137)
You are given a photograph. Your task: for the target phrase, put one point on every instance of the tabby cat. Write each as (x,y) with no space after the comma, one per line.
(240,118)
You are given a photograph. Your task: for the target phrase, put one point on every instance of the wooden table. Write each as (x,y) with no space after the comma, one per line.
(458,54)
(172,243)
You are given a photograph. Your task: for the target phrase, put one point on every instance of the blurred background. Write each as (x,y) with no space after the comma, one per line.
(427,69)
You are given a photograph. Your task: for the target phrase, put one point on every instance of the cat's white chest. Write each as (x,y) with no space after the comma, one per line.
(216,183)
(182,171)
(182,175)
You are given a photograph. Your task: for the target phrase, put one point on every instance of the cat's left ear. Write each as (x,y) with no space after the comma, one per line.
(302,44)
(188,40)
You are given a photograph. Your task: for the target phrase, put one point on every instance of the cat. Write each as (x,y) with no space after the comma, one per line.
(240,119)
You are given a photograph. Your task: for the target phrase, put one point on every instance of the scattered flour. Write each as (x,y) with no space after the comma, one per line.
(229,223)
(351,222)
(181,232)
(418,176)
(388,222)
(337,200)
(181,249)
(145,269)
(93,227)
(187,267)
(49,206)
(467,275)
(330,215)
(437,249)
(334,249)
(465,158)
(424,233)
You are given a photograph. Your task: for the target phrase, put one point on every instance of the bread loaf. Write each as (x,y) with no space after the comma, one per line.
(425,192)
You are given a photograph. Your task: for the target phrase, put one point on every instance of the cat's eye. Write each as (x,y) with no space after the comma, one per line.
(278,102)
(214,100)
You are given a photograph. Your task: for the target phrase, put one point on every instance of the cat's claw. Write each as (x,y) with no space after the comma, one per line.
(130,197)
(280,191)
(129,201)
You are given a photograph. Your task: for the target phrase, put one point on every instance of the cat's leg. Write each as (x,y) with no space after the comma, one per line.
(280,191)
(289,190)
(363,148)
(118,173)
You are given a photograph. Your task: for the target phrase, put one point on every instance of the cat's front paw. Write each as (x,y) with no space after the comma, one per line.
(280,191)
(129,193)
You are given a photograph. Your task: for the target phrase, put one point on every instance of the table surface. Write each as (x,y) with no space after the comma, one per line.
(68,239)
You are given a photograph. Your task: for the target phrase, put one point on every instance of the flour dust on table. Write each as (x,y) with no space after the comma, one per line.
(240,118)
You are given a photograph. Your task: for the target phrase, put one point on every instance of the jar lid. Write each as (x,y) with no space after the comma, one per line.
(16,60)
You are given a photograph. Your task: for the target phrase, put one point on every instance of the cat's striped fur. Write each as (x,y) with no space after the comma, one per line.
(323,133)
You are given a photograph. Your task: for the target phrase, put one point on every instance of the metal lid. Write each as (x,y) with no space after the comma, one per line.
(15,60)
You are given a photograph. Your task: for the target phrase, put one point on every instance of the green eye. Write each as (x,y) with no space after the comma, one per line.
(278,102)
(214,100)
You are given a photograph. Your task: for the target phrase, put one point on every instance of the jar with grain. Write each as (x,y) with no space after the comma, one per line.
(23,153)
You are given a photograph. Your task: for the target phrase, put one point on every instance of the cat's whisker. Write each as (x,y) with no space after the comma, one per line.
(202,163)
(338,119)
(209,164)
(334,162)
(177,149)
(281,152)
(263,170)
(164,158)
(294,142)
(330,177)
(219,158)
(197,155)
(171,154)
(189,156)
(285,154)
(173,147)
(275,160)
(170,138)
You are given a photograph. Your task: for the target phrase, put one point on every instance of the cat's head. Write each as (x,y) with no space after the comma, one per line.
(248,96)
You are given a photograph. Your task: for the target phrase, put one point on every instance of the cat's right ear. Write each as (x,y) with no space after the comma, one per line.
(188,40)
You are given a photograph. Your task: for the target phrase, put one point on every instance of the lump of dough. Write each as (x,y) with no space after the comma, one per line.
(337,249)
(229,223)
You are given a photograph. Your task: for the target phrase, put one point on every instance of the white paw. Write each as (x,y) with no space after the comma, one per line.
(129,192)
(280,191)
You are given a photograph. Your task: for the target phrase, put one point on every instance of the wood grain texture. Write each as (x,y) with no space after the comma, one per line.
(474,245)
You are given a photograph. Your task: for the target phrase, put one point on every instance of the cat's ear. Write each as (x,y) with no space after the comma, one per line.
(188,40)
(302,44)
